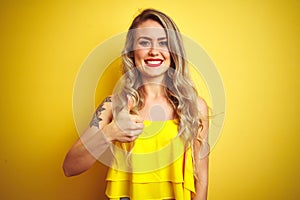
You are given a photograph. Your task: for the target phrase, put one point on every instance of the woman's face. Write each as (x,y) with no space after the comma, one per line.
(151,54)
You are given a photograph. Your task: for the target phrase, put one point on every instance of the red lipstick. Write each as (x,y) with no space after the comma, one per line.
(153,62)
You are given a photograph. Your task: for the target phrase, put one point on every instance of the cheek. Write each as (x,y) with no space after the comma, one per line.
(167,56)
(137,58)
(138,55)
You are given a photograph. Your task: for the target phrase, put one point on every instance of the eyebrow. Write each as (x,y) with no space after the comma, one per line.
(148,38)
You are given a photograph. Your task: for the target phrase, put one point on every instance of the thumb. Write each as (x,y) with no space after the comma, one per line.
(129,103)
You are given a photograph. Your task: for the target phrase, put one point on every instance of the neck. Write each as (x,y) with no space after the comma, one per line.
(154,87)
(154,90)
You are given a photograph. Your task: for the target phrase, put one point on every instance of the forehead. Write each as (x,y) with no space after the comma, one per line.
(149,28)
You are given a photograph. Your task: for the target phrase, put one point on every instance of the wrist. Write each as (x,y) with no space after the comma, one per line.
(106,134)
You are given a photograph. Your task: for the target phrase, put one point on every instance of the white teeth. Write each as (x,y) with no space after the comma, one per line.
(153,62)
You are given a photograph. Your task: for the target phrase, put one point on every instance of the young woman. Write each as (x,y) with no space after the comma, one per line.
(155,123)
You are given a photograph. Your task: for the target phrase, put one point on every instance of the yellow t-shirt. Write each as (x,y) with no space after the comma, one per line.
(159,167)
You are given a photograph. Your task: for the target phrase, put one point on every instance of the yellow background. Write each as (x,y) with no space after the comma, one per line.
(255,45)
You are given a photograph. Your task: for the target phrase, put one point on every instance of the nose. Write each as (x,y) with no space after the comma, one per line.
(153,51)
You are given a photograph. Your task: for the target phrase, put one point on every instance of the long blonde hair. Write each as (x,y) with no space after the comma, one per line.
(179,87)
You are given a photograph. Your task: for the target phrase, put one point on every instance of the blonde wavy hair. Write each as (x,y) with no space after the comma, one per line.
(179,87)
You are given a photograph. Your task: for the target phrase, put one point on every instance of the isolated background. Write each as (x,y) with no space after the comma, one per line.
(255,45)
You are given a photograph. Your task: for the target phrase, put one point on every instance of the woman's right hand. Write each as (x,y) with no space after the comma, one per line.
(98,137)
(125,127)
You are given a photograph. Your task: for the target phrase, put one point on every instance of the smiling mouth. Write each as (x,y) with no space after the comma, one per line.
(153,62)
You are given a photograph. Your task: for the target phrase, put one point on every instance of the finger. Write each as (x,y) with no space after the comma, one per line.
(133,138)
(134,126)
(137,119)
(129,139)
(133,133)
(139,126)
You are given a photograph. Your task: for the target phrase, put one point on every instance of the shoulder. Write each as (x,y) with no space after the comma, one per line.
(107,100)
(203,148)
(203,108)
(105,105)
(204,116)
(103,113)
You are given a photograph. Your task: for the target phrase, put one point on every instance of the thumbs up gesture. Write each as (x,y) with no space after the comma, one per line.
(125,127)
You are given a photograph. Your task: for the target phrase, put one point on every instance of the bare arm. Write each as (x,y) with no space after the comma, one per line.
(201,156)
(91,144)
(99,136)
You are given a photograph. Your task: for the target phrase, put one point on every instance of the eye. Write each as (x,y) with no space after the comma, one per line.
(144,43)
(163,43)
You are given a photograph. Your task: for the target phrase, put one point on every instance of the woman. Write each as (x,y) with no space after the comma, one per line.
(156,92)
